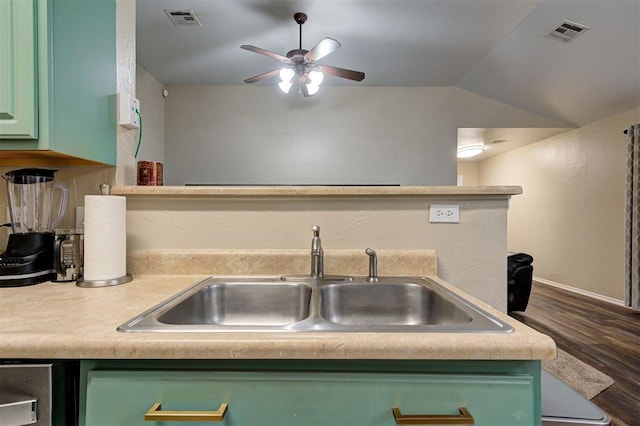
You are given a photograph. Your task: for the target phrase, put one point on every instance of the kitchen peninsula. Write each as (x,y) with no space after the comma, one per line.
(495,376)
(62,321)
(80,323)
(284,378)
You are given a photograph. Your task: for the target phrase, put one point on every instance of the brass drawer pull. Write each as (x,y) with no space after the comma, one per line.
(154,414)
(464,418)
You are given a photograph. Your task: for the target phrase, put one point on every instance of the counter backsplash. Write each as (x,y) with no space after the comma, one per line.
(278,262)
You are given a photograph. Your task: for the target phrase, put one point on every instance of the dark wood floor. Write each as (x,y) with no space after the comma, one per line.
(603,335)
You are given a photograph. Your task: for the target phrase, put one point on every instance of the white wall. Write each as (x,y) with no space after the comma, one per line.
(149,93)
(343,135)
(571,215)
(126,84)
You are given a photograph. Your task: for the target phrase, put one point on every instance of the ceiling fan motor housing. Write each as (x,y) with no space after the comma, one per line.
(297,55)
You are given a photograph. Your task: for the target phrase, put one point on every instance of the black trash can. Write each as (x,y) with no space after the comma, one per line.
(519,281)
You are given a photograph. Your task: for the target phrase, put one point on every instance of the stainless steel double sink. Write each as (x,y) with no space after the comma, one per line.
(268,304)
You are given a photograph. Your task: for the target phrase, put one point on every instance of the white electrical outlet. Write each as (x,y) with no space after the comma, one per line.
(448,213)
(128,109)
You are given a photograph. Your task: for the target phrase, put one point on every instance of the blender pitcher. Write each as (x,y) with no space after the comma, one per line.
(31,200)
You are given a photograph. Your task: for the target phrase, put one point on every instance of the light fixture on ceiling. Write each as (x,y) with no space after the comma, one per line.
(315,80)
(469,151)
(286,74)
(301,66)
(309,82)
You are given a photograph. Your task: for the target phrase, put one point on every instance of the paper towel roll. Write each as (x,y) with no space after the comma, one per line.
(105,237)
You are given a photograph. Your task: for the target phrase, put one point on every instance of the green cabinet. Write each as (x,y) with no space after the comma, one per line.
(18,88)
(298,393)
(58,80)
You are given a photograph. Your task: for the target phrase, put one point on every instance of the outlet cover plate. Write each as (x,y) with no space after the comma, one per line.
(444,213)
(128,105)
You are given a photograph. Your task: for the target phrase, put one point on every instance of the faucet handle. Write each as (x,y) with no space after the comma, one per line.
(373,265)
(316,242)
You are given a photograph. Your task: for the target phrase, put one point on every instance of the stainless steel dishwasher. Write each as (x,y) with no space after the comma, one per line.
(38,393)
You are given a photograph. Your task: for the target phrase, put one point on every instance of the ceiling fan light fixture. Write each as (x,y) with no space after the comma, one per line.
(285,86)
(286,74)
(316,77)
(312,88)
(302,65)
(469,151)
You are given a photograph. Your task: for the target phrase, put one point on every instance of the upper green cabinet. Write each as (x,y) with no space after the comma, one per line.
(18,84)
(58,81)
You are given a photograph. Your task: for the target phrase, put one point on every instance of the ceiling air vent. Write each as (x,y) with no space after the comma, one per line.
(567,30)
(183,17)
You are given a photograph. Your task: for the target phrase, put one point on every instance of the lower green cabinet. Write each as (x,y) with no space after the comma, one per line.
(324,397)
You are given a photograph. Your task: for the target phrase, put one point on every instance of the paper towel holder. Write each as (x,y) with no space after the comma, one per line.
(104,283)
(105,189)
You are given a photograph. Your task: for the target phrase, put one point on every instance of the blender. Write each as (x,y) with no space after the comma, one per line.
(29,257)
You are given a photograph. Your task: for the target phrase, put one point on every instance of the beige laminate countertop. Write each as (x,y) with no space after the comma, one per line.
(60,320)
(318,191)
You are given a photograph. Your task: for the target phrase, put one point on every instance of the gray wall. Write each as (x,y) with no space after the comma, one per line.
(343,135)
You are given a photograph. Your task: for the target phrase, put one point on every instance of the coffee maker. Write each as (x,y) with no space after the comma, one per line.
(68,255)
(29,256)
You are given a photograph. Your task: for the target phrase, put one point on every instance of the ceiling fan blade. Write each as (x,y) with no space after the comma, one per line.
(266,53)
(262,76)
(322,49)
(342,72)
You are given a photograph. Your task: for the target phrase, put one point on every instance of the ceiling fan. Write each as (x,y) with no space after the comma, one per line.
(301,65)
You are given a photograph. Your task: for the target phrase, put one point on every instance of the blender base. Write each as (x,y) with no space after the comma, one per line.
(28,260)
(23,280)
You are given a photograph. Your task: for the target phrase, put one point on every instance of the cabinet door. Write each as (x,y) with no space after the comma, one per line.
(18,83)
(309,399)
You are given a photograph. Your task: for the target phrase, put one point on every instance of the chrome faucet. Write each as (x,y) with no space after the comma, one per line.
(317,254)
(373,266)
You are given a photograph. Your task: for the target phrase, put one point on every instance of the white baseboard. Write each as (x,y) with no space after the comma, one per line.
(580,291)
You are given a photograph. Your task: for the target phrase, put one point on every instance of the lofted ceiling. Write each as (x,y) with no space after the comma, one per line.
(495,48)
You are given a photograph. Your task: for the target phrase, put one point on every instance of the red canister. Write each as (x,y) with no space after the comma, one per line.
(149,173)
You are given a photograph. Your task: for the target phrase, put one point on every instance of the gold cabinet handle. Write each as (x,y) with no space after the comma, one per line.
(154,414)
(464,418)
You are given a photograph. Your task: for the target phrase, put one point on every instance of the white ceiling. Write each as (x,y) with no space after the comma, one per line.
(495,48)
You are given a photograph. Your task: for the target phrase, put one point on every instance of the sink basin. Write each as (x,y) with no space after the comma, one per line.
(388,305)
(242,304)
(228,304)
(264,304)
